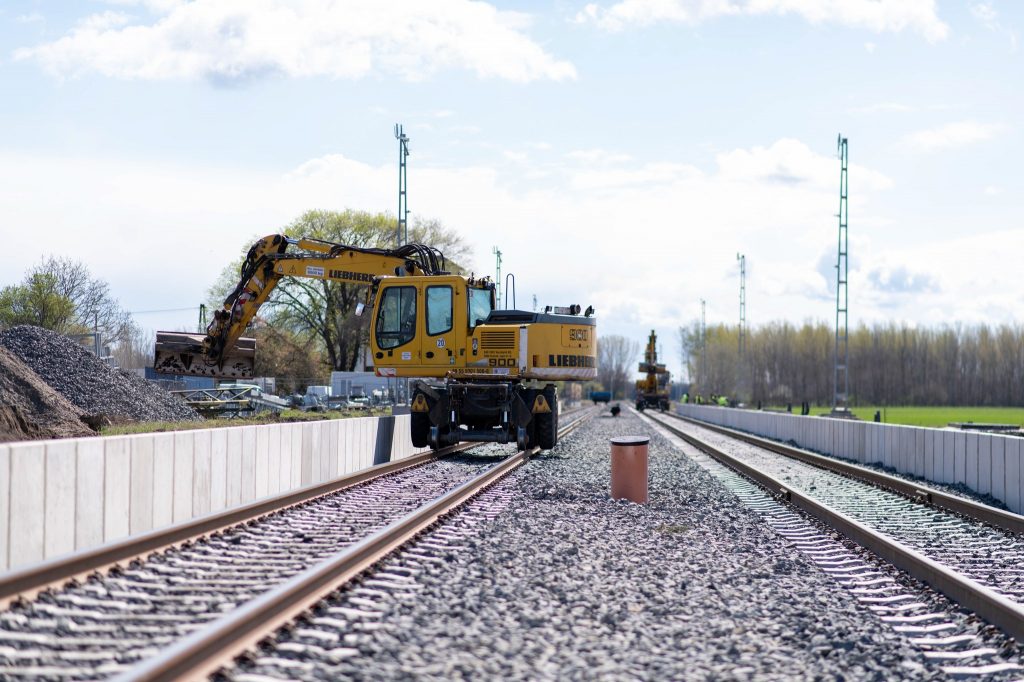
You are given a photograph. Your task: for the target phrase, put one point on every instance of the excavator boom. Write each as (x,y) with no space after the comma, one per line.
(222,352)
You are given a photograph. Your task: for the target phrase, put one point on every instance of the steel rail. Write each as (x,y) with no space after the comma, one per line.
(204,651)
(986,603)
(999,518)
(24,583)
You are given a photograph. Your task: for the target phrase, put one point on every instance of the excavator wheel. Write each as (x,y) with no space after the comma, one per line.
(545,430)
(420,429)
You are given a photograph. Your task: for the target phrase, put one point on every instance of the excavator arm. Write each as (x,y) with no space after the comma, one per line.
(222,352)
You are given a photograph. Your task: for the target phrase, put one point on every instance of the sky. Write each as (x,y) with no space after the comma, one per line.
(620,154)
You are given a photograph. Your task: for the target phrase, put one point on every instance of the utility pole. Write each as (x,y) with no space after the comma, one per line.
(535,303)
(203,324)
(740,366)
(497,278)
(403,200)
(842,349)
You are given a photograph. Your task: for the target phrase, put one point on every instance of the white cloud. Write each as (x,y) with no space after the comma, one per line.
(791,162)
(33,18)
(953,135)
(992,191)
(233,41)
(870,48)
(874,15)
(987,15)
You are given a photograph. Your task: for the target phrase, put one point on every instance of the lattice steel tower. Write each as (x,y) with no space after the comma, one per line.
(703,348)
(842,347)
(403,200)
(497,277)
(743,304)
(740,367)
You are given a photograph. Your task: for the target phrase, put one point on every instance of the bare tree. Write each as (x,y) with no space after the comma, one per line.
(95,308)
(616,356)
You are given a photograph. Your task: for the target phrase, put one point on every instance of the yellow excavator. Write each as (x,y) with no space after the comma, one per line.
(484,375)
(652,390)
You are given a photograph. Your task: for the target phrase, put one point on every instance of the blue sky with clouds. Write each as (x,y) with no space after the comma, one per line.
(619,153)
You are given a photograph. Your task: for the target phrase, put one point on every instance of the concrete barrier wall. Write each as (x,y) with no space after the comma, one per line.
(985,463)
(64,495)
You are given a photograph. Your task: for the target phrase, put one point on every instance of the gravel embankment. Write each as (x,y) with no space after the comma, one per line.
(567,584)
(90,384)
(29,409)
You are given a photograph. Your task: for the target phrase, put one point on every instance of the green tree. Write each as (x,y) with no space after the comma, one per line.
(324,310)
(36,302)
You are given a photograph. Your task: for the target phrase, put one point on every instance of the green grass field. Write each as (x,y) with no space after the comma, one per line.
(938,416)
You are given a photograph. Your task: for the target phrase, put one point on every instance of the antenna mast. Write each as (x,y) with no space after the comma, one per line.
(403,200)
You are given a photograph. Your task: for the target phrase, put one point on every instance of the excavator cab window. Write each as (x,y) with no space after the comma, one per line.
(480,305)
(439,310)
(396,317)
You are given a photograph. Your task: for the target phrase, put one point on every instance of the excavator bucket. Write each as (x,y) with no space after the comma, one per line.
(181,353)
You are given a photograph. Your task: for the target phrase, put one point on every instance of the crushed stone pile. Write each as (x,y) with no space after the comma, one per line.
(100,391)
(30,409)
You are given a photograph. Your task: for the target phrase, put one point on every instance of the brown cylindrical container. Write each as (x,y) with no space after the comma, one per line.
(629,468)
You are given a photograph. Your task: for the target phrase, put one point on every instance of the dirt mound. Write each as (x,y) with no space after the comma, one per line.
(29,409)
(100,391)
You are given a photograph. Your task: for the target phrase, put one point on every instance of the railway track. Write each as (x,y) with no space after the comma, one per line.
(971,553)
(144,598)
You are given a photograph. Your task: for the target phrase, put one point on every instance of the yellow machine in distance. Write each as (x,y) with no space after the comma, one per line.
(484,374)
(652,390)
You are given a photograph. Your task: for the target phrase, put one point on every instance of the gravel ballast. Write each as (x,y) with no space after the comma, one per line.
(99,390)
(568,584)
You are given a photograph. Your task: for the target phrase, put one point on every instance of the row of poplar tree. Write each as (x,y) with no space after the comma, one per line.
(889,364)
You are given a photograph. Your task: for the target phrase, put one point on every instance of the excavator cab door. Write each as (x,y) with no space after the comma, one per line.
(395,325)
(442,301)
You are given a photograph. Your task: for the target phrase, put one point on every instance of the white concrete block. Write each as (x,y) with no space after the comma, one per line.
(141,504)
(960,457)
(202,470)
(334,451)
(348,436)
(234,471)
(117,487)
(285,471)
(61,476)
(296,434)
(163,479)
(307,453)
(28,503)
(262,462)
(89,490)
(319,445)
(984,463)
(931,436)
(218,469)
(248,464)
(273,459)
(948,457)
(972,461)
(5,506)
(999,467)
(184,475)
(920,451)
(1013,474)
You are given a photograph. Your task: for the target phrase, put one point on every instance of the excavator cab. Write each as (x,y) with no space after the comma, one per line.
(421,325)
